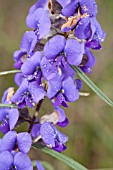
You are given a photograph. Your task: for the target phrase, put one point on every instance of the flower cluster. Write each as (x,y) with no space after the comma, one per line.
(62,34)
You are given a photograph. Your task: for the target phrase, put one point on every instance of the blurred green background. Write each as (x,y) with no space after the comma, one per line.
(91,120)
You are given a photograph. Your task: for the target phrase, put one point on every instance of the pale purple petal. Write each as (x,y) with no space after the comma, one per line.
(70,9)
(8,142)
(83,29)
(31,64)
(35,130)
(54,46)
(24,142)
(74,52)
(37,92)
(13,117)
(54,85)
(22,162)
(69,90)
(63,3)
(48,134)
(29,41)
(6,160)
(48,70)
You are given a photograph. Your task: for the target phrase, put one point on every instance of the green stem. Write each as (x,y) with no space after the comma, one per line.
(8,105)
(86,79)
(9,72)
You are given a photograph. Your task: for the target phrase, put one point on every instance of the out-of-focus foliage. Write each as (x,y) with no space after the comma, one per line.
(91,120)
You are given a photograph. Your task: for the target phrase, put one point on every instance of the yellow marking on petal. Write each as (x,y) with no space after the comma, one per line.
(10,93)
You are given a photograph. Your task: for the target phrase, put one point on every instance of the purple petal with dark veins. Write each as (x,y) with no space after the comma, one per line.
(8,142)
(6,160)
(24,142)
(31,64)
(22,162)
(69,90)
(74,52)
(54,46)
(29,41)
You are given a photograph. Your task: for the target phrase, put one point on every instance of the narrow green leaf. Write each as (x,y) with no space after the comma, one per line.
(9,72)
(70,162)
(8,105)
(86,79)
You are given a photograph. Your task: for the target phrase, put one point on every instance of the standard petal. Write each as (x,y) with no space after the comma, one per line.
(8,142)
(22,162)
(74,52)
(29,41)
(69,90)
(54,46)
(31,64)
(24,142)
(6,160)
(48,134)
(13,117)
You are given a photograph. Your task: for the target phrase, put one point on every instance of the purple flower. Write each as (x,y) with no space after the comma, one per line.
(27,46)
(72,49)
(8,119)
(62,92)
(52,137)
(39,20)
(86,7)
(29,93)
(11,140)
(18,161)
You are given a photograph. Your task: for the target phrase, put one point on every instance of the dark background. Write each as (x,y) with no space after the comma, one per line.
(91,120)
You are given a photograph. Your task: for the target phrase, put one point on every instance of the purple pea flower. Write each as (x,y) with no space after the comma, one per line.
(29,93)
(18,161)
(39,20)
(53,137)
(72,49)
(27,46)
(11,140)
(60,93)
(8,116)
